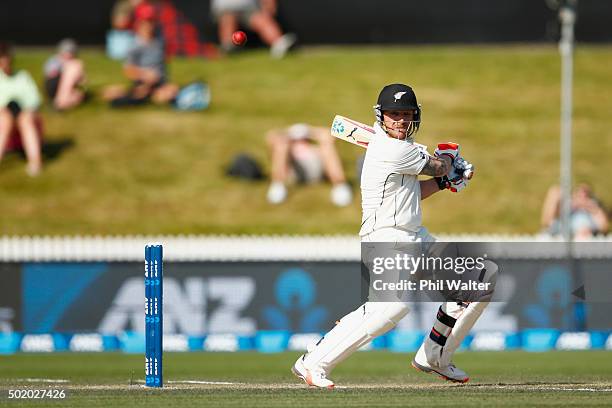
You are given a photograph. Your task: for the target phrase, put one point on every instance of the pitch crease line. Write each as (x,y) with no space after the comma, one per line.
(204,382)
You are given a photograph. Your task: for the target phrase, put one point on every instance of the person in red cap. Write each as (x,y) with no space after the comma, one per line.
(145,11)
(145,67)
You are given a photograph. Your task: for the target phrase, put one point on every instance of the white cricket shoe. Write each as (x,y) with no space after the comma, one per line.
(314,378)
(277,193)
(450,372)
(282,46)
(341,194)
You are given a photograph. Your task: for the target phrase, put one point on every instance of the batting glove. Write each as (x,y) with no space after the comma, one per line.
(458,184)
(463,167)
(462,170)
(449,149)
(460,174)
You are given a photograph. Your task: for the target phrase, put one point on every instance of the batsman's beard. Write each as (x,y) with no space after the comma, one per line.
(406,129)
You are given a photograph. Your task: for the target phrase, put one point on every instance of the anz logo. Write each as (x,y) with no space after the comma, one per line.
(215,304)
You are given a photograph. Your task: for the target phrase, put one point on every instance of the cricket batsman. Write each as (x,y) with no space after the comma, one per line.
(391,202)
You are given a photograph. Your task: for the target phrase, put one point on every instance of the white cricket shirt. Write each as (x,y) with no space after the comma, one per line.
(390,190)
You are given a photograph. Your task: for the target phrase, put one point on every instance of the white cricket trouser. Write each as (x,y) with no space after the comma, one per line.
(373,319)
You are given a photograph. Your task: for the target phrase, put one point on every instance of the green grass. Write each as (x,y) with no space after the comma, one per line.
(152,170)
(574,379)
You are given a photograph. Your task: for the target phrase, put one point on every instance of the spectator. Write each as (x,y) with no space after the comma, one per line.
(145,66)
(587,218)
(19,101)
(120,39)
(257,16)
(64,74)
(306,154)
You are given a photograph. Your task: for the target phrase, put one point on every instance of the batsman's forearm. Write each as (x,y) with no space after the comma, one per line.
(437,166)
(428,188)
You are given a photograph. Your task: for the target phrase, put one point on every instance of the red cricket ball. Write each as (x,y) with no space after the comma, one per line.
(239,38)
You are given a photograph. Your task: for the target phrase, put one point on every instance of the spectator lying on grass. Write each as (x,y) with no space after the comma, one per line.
(305,154)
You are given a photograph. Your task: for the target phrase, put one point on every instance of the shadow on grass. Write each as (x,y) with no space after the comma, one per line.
(52,150)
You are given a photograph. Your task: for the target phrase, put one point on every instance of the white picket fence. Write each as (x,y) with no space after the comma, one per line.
(243,248)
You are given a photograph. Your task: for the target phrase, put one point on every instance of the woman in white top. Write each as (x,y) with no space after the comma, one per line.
(19,102)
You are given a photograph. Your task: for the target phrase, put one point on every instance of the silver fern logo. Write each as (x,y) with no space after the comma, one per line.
(398,96)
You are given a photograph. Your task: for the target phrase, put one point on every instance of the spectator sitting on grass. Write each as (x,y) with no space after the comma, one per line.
(305,153)
(19,101)
(145,66)
(587,218)
(64,73)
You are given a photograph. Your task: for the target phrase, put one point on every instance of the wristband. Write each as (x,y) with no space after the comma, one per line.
(443,182)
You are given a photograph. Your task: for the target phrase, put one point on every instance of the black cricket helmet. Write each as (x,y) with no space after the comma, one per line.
(398,97)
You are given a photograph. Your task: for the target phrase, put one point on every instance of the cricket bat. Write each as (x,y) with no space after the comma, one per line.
(357,133)
(351,131)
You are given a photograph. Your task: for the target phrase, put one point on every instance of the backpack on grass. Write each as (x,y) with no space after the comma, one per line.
(194,96)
